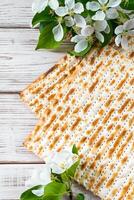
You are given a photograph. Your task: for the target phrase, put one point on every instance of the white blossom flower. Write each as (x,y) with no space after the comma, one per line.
(122,31)
(60,161)
(105,9)
(39,5)
(70,14)
(83,39)
(42,177)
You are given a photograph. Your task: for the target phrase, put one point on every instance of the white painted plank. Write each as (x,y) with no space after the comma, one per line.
(14,13)
(16,121)
(13,177)
(20,64)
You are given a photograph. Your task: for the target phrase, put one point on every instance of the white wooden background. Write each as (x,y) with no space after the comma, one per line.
(20,64)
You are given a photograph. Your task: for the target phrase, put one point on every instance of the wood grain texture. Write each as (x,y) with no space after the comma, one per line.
(14,13)
(20,64)
(13,177)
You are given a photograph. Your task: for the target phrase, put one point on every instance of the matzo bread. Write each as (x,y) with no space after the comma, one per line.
(94,109)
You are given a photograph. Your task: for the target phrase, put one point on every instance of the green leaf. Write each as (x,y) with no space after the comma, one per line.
(74,149)
(80,196)
(108,36)
(46,39)
(72,170)
(55,189)
(82,53)
(44,16)
(127,4)
(28,195)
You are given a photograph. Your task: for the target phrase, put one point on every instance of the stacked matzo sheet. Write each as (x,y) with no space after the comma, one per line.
(90,103)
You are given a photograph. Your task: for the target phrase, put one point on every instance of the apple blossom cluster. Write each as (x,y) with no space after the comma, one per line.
(85,21)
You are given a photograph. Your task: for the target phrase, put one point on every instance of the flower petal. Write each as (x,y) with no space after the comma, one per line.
(124,43)
(99,36)
(87,31)
(79,20)
(112,13)
(102,2)
(69,21)
(131,32)
(38,192)
(78,8)
(81,46)
(100,25)
(58,32)
(70,4)
(113,3)
(54,4)
(77,38)
(94,6)
(128,25)
(39,5)
(61,11)
(107,30)
(119,29)
(118,40)
(99,15)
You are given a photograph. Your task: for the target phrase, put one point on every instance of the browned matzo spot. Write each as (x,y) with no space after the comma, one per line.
(121,96)
(95,122)
(94,136)
(124,117)
(92,60)
(55,127)
(66,137)
(125,189)
(131,121)
(37,139)
(34,102)
(97,67)
(64,127)
(112,82)
(69,93)
(85,109)
(47,111)
(131,55)
(65,114)
(132,81)
(76,110)
(101,181)
(41,96)
(99,142)
(131,106)
(39,107)
(91,182)
(122,68)
(124,160)
(124,106)
(54,141)
(114,191)
(119,153)
(92,87)
(51,97)
(122,82)
(110,127)
(116,143)
(109,101)
(36,90)
(115,54)
(108,116)
(72,70)
(101,112)
(83,73)
(92,166)
(50,122)
(59,108)
(75,123)
(111,180)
